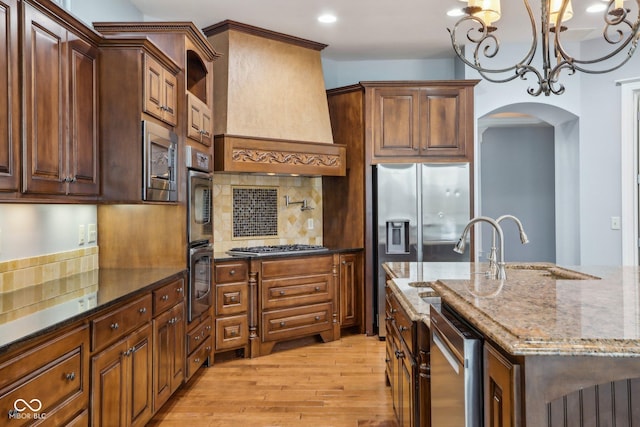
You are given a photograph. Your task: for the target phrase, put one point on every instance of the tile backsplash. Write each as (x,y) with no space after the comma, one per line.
(293,224)
(28,272)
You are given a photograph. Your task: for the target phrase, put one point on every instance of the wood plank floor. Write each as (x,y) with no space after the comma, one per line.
(335,384)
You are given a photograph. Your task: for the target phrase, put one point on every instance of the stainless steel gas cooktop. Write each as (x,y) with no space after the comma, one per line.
(276,250)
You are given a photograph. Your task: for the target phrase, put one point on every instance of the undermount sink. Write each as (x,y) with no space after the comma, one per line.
(553,271)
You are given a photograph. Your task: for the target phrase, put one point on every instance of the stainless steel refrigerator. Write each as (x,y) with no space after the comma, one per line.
(421,211)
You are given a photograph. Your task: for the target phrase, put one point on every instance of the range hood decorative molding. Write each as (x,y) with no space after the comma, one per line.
(260,155)
(270,104)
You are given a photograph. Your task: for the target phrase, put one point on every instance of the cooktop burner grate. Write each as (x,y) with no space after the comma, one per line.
(276,249)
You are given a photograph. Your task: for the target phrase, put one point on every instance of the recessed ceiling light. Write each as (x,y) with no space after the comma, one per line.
(595,8)
(455,12)
(327,18)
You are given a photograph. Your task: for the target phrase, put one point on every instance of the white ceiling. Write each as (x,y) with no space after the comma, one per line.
(366,29)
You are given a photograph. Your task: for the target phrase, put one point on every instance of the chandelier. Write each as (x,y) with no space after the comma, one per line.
(619,32)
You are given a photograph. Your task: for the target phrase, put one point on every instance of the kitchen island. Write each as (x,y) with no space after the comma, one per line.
(561,345)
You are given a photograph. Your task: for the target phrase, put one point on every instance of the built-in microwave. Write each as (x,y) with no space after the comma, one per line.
(159,168)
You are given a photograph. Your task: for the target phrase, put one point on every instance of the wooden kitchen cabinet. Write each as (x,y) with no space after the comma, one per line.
(160,91)
(168,341)
(122,381)
(9,98)
(501,390)
(297,298)
(199,344)
(351,290)
(200,120)
(60,71)
(402,363)
(55,372)
(232,305)
(434,120)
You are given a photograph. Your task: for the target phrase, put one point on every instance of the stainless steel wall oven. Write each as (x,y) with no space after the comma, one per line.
(199,231)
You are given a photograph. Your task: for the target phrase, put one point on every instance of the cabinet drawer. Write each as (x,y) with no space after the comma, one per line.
(198,335)
(168,296)
(402,322)
(289,292)
(301,266)
(117,323)
(232,272)
(231,298)
(198,357)
(55,384)
(296,322)
(232,332)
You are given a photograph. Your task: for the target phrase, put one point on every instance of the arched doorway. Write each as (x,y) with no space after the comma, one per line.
(528,166)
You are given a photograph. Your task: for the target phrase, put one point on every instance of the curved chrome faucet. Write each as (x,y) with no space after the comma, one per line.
(499,274)
(523,239)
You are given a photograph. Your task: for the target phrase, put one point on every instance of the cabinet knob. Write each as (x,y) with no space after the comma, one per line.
(232,272)
(208,328)
(281,292)
(403,328)
(317,288)
(180,290)
(115,326)
(233,299)
(197,360)
(399,354)
(282,324)
(143,310)
(70,376)
(165,297)
(344,262)
(196,338)
(208,348)
(317,318)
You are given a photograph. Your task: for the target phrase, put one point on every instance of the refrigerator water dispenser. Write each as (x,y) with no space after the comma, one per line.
(397,237)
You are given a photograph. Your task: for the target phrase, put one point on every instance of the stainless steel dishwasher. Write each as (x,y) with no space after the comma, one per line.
(456,372)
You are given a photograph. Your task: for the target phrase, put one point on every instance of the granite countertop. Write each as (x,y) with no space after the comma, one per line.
(533,311)
(35,310)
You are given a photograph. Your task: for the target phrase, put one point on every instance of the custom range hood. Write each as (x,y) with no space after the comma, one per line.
(270,104)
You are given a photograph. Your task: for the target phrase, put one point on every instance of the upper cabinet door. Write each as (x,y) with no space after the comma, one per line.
(83,118)
(9,97)
(395,122)
(45,103)
(443,121)
(160,92)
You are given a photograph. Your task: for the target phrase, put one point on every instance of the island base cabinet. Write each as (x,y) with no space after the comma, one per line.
(121,389)
(501,391)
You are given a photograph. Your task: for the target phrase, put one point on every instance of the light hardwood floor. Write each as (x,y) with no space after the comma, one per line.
(335,384)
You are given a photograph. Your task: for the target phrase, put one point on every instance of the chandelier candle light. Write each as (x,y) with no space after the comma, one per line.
(481,33)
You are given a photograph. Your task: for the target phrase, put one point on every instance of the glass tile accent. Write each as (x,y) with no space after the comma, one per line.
(255,212)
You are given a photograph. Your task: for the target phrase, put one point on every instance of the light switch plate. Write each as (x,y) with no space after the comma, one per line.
(81,234)
(91,233)
(615,223)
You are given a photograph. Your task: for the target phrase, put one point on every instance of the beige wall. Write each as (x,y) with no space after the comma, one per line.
(292,222)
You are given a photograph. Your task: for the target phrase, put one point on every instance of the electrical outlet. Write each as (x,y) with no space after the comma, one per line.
(81,234)
(310,224)
(92,233)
